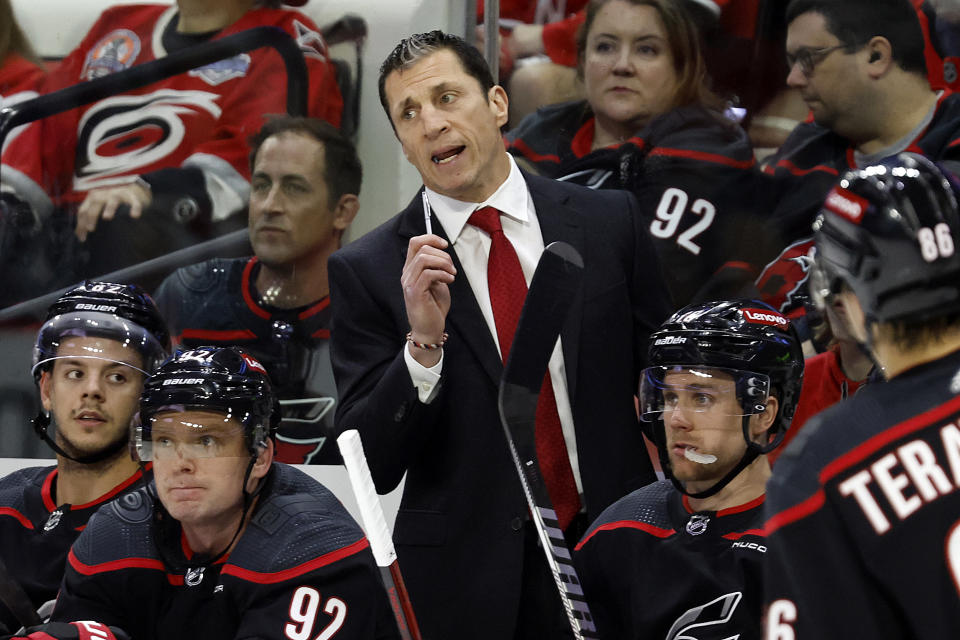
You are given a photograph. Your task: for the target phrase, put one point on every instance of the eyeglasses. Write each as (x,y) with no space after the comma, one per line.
(808,58)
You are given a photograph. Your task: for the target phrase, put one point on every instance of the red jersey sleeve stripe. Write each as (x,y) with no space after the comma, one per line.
(219,336)
(797,171)
(529,153)
(112,565)
(794,513)
(22,519)
(294,572)
(321,333)
(703,156)
(748,532)
(628,524)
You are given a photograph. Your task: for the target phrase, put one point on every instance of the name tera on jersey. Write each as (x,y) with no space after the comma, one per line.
(923,478)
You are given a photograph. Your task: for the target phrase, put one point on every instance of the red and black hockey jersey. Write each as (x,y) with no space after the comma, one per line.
(200,119)
(36,534)
(653,568)
(692,171)
(798,178)
(863,515)
(301,569)
(216,303)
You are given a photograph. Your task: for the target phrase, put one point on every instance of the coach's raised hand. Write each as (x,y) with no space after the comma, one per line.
(427,274)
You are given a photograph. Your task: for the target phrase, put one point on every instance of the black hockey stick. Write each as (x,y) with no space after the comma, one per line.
(554,285)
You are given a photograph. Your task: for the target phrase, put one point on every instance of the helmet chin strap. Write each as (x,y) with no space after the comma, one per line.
(751,454)
(42,422)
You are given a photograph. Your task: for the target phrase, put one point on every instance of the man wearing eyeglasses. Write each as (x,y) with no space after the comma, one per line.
(861,68)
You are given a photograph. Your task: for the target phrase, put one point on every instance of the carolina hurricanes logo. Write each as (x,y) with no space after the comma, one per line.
(846,203)
(706,618)
(121,134)
(764,316)
(783,278)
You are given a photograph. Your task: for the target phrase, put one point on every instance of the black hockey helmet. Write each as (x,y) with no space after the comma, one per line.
(890,232)
(757,347)
(121,312)
(227,380)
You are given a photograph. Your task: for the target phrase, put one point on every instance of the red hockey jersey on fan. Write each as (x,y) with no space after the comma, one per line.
(18,75)
(200,119)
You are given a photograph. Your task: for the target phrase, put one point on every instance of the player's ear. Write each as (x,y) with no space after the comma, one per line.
(45,396)
(345,211)
(264,460)
(765,419)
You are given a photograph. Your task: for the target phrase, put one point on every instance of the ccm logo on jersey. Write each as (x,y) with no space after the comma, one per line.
(183,381)
(95,307)
(253,364)
(846,204)
(762,316)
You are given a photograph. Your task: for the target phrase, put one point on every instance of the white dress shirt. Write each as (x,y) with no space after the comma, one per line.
(520,226)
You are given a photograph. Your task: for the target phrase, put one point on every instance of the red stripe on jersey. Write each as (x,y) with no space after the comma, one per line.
(527,152)
(797,171)
(321,333)
(293,572)
(320,306)
(746,506)
(703,156)
(794,513)
(628,524)
(748,532)
(8,511)
(231,335)
(46,491)
(112,565)
(245,289)
(110,494)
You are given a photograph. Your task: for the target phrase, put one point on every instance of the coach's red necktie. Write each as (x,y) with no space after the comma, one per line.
(508,288)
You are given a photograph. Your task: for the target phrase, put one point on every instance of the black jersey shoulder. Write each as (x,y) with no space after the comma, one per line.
(646,509)
(21,495)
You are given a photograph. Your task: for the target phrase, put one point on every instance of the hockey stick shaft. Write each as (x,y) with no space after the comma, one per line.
(551,294)
(378,533)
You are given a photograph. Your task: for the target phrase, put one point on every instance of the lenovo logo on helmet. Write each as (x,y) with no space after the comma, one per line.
(670,340)
(253,364)
(765,316)
(846,204)
(83,306)
(182,381)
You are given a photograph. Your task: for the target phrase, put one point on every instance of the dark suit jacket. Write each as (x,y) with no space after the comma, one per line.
(459,528)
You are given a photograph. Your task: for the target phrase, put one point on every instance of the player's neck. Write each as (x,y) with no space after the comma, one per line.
(214,536)
(84,483)
(855,363)
(289,287)
(748,485)
(895,360)
(204,16)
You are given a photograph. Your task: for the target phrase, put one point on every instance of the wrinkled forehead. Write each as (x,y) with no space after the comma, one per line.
(80,348)
(172,421)
(699,378)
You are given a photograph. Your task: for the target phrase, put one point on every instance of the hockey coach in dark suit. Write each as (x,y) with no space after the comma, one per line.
(423,322)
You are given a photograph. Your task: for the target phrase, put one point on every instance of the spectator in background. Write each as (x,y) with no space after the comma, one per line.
(178,144)
(20,69)
(860,67)
(305,181)
(99,343)
(651,125)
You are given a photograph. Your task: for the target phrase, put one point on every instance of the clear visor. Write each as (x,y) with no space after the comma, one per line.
(97,335)
(191,435)
(693,389)
(821,291)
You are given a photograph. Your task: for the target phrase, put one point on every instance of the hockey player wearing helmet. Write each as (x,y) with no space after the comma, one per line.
(719,394)
(228,543)
(98,344)
(863,508)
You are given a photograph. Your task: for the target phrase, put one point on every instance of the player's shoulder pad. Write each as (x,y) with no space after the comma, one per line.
(300,521)
(119,530)
(647,505)
(14,487)
(204,277)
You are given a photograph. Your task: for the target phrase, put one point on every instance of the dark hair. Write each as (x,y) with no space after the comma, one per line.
(685,42)
(420,45)
(854,22)
(12,39)
(342,170)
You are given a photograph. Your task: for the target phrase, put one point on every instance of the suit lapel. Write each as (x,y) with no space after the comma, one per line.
(560,222)
(465,320)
